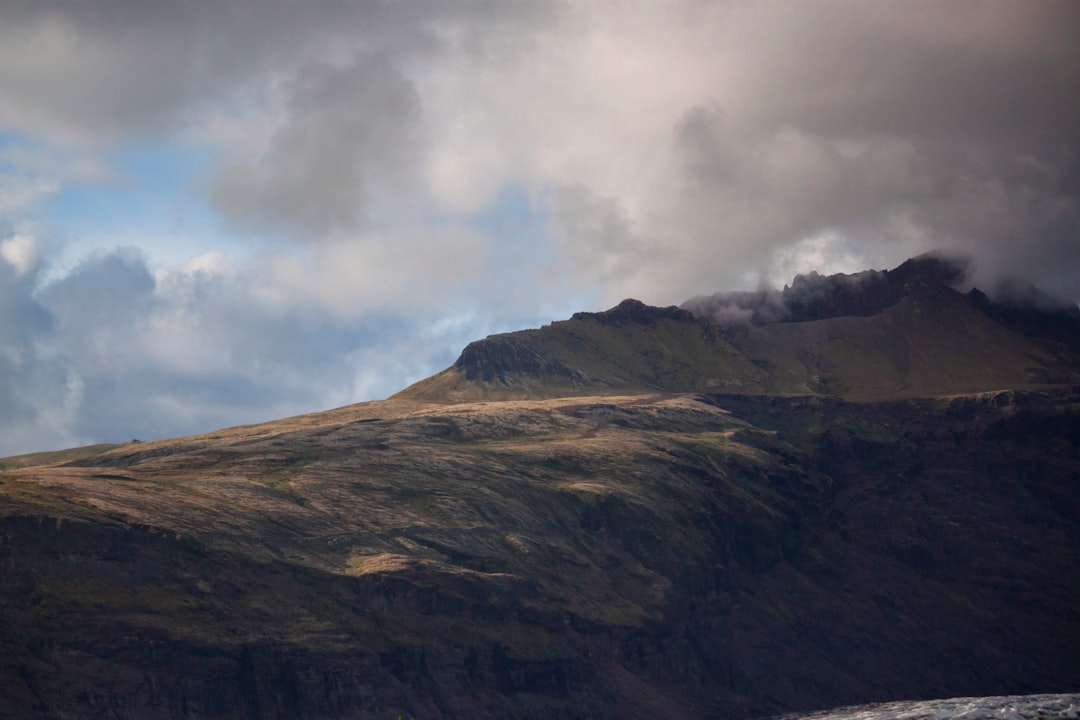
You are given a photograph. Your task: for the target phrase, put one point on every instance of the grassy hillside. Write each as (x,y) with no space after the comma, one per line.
(631,347)
(54,457)
(635,514)
(642,556)
(933,341)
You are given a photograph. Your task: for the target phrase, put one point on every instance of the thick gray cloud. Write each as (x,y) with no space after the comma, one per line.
(110,68)
(395,179)
(349,132)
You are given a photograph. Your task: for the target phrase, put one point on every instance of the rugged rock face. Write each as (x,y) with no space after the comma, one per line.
(632,311)
(638,557)
(819,297)
(499,358)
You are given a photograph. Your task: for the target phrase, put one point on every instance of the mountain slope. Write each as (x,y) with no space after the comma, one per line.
(933,342)
(648,556)
(641,513)
(631,347)
(873,336)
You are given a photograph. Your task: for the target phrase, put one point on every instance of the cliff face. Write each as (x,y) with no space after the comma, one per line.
(636,557)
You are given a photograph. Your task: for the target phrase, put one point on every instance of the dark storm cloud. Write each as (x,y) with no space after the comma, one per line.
(110,68)
(903,127)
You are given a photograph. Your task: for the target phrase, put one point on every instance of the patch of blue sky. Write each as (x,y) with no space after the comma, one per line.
(153,198)
(12,144)
(24,177)
(519,224)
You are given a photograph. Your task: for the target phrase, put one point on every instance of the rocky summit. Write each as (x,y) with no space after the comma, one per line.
(859,489)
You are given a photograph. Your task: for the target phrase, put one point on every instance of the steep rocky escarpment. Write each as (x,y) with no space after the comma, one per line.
(714,555)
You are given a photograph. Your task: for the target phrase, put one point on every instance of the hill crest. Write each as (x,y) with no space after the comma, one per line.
(874,335)
(606,553)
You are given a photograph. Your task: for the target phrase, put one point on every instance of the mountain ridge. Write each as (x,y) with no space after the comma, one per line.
(875,335)
(632,514)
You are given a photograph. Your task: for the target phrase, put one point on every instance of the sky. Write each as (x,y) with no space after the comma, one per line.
(223,213)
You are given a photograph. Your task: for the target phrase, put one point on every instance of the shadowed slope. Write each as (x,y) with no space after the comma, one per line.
(608,557)
(934,341)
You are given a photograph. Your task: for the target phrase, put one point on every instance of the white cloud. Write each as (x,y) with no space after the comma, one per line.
(21,252)
(381,167)
(112,351)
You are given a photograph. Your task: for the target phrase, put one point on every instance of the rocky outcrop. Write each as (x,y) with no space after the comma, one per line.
(632,311)
(814,296)
(503,358)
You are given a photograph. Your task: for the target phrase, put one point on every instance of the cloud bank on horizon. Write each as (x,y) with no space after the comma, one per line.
(229,212)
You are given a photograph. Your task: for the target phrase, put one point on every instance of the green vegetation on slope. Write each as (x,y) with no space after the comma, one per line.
(932,341)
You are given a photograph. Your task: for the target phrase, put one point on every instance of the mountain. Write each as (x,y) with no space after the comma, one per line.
(639,513)
(902,333)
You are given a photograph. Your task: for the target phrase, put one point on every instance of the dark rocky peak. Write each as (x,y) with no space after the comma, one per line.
(498,358)
(631,311)
(816,297)
(813,296)
(931,268)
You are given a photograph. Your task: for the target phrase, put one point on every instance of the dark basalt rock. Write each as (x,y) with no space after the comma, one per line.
(816,297)
(632,311)
(930,268)
(813,296)
(500,357)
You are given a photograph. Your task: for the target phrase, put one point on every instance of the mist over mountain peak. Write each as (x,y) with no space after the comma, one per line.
(912,331)
(934,266)
(813,296)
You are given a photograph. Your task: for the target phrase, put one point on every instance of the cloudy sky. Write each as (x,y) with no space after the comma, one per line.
(215,213)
